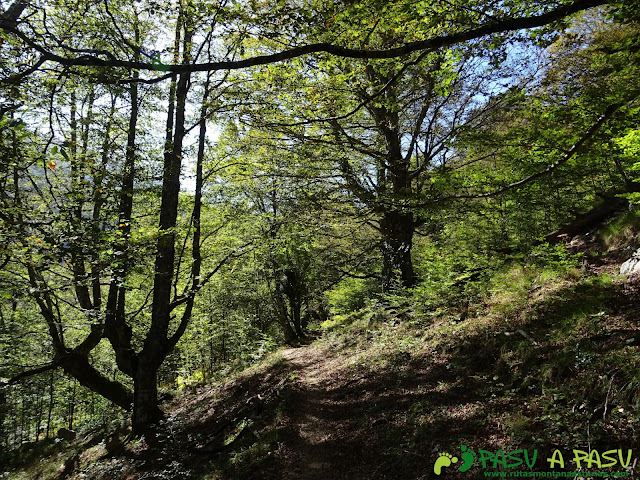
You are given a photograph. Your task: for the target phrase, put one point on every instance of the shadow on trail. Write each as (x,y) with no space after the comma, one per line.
(385,426)
(309,416)
(488,391)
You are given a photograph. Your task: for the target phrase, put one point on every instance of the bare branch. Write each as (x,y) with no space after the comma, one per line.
(608,113)
(35,371)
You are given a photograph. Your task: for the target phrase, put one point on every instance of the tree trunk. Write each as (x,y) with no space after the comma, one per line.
(4,436)
(296,308)
(283,314)
(394,186)
(145,398)
(22,415)
(584,222)
(293,286)
(51,402)
(397,240)
(72,405)
(39,407)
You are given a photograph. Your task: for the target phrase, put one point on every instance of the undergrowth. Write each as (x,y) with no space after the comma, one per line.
(556,346)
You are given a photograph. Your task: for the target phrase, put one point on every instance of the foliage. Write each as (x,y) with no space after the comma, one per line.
(349,295)
(377,187)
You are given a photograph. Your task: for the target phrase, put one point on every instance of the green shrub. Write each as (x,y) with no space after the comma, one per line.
(350,294)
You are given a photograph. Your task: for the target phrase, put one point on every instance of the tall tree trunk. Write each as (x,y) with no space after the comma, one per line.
(283,314)
(394,187)
(72,405)
(157,344)
(39,407)
(14,408)
(397,240)
(296,310)
(293,288)
(4,437)
(51,402)
(22,414)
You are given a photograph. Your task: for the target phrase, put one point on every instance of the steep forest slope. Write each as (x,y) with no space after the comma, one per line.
(548,360)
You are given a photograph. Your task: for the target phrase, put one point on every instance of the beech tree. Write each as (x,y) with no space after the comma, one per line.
(388,128)
(103,225)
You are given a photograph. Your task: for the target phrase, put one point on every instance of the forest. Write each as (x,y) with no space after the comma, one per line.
(319,239)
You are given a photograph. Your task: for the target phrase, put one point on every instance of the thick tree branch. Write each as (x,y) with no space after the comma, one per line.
(434,43)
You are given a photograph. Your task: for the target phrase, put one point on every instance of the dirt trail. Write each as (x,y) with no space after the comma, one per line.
(319,421)
(342,419)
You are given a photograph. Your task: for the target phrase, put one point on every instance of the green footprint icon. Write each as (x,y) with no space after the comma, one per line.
(468,458)
(444,460)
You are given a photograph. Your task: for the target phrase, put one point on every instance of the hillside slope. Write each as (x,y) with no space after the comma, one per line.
(546,362)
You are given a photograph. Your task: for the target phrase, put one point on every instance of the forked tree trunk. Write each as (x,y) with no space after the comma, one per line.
(394,185)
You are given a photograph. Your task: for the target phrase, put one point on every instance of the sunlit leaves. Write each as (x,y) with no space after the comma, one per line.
(630,144)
